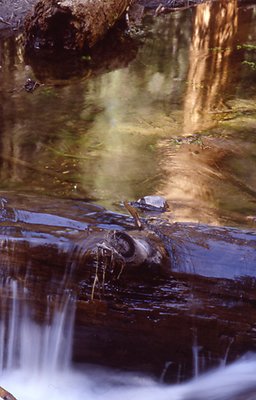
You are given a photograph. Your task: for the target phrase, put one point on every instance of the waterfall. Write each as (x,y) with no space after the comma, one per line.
(35,359)
(38,343)
(37,312)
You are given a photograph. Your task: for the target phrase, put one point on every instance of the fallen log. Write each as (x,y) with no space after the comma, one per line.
(71,24)
(200,310)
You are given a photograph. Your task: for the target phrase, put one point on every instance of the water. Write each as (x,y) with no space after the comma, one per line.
(233,383)
(44,346)
(174,115)
(35,361)
(116,129)
(36,343)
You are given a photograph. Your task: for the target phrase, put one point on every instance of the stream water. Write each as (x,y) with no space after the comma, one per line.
(171,113)
(36,361)
(121,125)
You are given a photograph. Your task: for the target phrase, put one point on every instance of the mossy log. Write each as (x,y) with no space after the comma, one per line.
(72,24)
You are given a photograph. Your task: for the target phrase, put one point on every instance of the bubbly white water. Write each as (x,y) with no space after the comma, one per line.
(35,362)
(235,382)
(24,343)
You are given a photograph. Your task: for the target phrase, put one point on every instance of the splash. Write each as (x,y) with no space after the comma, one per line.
(31,339)
(36,350)
(235,382)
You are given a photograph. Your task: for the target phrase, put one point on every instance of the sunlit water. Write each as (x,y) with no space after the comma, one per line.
(113,129)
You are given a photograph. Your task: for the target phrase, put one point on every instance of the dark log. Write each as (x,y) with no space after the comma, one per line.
(72,25)
(136,316)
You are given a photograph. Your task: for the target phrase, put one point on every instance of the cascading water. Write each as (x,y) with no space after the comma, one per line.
(24,343)
(35,360)
(37,313)
(35,340)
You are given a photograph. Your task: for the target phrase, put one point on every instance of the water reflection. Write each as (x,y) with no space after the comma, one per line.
(210,61)
(105,134)
(200,178)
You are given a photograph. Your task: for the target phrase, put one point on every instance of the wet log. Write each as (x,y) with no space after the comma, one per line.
(72,25)
(195,313)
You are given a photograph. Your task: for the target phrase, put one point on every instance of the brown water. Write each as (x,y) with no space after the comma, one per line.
(119,126)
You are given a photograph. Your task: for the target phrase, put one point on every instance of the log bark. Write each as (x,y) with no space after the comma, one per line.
(72,24)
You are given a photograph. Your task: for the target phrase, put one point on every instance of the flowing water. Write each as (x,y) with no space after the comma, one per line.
(170,113)
(36,361)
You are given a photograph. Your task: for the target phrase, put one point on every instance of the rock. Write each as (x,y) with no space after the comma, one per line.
(151,203)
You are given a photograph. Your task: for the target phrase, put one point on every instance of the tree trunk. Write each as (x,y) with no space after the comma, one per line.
(72,24)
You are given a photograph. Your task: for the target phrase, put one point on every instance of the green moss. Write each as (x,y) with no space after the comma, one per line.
(219,49)
(249,47)
(86,58)
(48,91)
(250,64)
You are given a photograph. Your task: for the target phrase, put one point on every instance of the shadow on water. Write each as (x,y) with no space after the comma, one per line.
(116,51)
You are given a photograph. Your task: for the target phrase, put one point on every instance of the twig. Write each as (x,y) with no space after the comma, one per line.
(4,22)
(96,279)
(6,395)
(134,214)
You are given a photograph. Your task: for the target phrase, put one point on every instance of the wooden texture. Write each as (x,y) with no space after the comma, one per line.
(72,24)
(199,306)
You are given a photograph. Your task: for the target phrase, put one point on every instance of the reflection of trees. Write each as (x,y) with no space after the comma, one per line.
(111,121)
(198,182)
(139,104)
(9,143)
(31,123)
(210,68)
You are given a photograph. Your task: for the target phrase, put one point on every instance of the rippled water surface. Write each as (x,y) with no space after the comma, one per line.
(170,113)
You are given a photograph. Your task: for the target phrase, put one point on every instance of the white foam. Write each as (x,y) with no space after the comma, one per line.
(35,361)
(225,383)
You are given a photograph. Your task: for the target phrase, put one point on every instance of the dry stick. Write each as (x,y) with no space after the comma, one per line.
(104,266)
(41,171)
(96,279)
(121,271)
(4,22)
(6,395)
(134,214)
